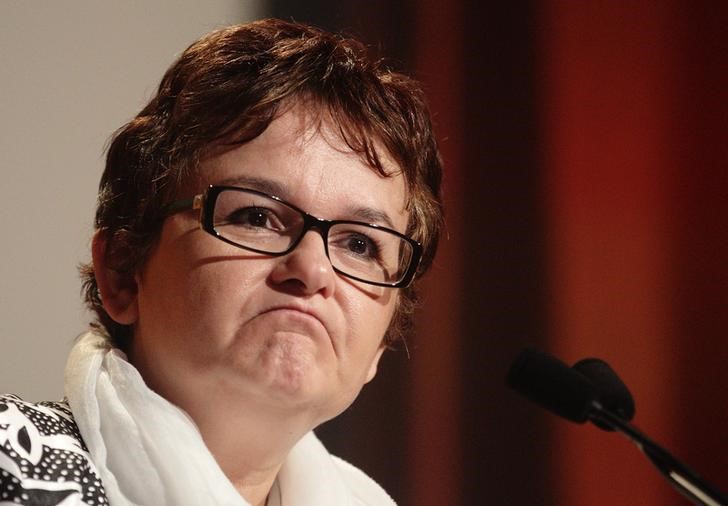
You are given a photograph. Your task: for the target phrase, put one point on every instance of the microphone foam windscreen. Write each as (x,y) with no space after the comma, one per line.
(612,393)
(552,384)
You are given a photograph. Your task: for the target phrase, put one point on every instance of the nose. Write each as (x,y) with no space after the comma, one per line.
(306,269)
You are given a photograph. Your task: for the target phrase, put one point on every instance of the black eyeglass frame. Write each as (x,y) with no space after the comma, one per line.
(205,202)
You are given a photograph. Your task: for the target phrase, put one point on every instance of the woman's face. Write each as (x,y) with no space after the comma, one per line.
(283,332)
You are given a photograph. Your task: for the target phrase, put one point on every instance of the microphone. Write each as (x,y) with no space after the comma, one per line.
(553,385)
(613,394)
(593,391)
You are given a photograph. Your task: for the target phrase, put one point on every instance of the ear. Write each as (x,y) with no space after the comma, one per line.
(118,290)
(375,363)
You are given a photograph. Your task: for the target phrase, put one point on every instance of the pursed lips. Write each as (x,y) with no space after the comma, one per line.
(301,311)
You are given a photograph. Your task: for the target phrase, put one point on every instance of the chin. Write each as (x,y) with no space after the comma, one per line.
(295,383)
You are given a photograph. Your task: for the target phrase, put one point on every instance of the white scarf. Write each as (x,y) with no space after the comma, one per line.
(149,452)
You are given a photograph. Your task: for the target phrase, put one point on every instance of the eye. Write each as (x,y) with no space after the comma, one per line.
(362,246)
(254,217)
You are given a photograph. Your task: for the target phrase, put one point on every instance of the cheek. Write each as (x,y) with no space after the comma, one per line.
(219,293)
(185,300)
(369,317)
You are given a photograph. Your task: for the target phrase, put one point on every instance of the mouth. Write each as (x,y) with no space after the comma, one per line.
(298,312)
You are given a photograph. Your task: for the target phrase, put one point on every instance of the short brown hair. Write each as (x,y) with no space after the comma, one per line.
(228,87)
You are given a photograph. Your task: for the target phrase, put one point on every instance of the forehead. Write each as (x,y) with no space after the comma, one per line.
(303,157)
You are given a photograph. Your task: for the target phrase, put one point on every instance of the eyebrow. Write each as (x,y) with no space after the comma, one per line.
(360,213)
(257,183)
(371,215)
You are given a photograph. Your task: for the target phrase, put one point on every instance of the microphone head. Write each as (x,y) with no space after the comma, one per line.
(612,393)
(552,384)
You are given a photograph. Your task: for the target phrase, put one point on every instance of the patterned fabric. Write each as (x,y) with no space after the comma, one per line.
(43,460)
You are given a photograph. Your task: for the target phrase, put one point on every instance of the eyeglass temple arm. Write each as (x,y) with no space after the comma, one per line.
(185,205)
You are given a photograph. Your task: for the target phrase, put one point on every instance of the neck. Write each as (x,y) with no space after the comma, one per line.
(249,443)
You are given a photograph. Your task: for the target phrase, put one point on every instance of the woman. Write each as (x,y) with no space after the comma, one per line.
(259,226)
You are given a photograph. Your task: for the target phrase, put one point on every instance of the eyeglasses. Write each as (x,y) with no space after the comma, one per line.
(263,223)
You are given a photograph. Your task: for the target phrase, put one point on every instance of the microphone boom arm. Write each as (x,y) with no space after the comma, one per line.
(686,481)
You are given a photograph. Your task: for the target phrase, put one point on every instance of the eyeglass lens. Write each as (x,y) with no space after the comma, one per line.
(266,225)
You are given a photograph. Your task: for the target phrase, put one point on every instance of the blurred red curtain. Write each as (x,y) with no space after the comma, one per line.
(635,151)
(632,108)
